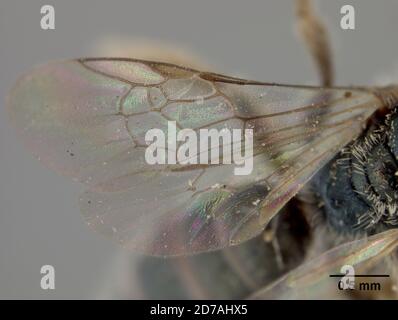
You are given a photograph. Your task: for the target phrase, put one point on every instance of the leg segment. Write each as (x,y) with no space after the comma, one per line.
(316,38)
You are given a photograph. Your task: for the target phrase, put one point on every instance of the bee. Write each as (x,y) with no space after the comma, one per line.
(88,118)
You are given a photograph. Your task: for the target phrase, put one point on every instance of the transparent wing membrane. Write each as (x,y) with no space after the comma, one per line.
(88,119)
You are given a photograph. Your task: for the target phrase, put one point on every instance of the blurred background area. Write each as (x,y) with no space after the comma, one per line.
(40,221)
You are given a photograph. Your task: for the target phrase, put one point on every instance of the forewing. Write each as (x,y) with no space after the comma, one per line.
(88,119)
(312,280)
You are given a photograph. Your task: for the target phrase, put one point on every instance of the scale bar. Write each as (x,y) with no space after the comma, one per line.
(360,275)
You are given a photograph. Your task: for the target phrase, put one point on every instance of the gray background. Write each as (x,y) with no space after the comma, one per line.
(39,217)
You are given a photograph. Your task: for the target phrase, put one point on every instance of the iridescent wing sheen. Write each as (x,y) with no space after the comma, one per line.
(88,118)
(312,279)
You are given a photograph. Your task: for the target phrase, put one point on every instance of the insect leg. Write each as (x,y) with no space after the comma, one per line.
(315,36)
(269,236)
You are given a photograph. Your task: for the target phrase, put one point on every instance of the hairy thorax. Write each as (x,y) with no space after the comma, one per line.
(359,188)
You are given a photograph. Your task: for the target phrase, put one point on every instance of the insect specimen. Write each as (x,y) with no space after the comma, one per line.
(88,118)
